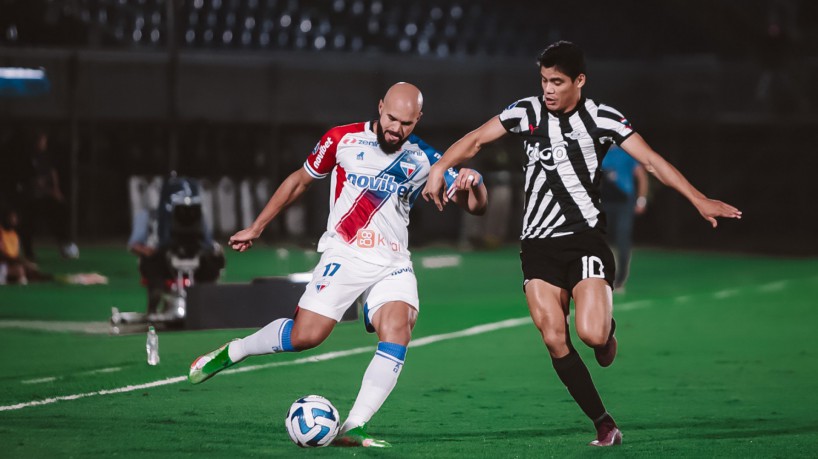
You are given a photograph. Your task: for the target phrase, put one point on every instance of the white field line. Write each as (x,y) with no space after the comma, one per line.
(479,329)
(97,328)
(39,380)
(54,378)
(773,286)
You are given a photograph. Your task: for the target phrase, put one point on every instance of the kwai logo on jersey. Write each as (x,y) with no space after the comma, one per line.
(408,168)
(549,156)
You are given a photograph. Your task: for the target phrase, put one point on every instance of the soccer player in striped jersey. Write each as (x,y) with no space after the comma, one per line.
(377,170)
(563,252)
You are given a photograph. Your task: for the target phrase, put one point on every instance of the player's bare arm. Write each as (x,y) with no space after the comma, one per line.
(709,209)
(460,151)
(471,194)
(288,192)
(641,176)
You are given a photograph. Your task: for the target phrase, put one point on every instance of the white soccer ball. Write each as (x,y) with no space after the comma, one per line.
(312,422)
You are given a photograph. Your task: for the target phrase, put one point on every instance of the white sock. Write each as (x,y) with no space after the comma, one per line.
(379,380)
(273,338)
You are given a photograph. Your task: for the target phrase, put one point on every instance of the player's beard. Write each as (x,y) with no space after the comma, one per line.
(384,144)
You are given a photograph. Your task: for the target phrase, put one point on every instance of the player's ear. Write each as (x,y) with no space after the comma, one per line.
(380,107)
(580,81)
(418,118)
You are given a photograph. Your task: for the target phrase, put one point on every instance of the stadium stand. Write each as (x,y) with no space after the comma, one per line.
(434,28)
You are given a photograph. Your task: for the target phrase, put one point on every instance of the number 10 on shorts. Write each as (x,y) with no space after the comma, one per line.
(592,267)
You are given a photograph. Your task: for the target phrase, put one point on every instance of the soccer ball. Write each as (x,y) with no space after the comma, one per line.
(312,421)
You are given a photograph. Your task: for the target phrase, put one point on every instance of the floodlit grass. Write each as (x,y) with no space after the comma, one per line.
(717,358)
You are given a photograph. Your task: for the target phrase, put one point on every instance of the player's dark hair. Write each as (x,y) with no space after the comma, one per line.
(567,57)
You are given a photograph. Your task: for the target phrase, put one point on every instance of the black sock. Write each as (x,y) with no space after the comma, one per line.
(574,374)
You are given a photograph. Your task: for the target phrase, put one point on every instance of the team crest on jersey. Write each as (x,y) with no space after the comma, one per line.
(408,168)
(321,285)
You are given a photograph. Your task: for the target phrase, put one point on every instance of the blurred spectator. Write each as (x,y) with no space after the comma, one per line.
(160,234)
(624,195)
(14,268)
(40,197)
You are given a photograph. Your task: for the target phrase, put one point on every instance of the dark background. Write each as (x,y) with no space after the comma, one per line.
(723,89)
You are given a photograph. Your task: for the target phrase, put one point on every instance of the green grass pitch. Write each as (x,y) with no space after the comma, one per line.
(718,357)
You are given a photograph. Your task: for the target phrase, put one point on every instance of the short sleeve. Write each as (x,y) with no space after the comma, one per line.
(520,116)
(614,124)
(322,159)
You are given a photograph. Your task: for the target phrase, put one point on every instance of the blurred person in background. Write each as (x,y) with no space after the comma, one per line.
(154,238)
(40,198)
(563,250)
(14,267)
(624,196)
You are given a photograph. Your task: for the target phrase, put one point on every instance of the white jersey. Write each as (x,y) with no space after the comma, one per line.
(372,191)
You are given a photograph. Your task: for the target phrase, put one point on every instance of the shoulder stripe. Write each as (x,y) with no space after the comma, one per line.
(431,153)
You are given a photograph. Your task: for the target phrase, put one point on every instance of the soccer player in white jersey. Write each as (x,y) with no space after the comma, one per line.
(563,251)
(378,170)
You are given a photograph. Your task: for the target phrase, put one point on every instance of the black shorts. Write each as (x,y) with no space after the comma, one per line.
(566,260)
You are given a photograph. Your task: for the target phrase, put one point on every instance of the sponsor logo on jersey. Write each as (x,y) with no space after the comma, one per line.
(402,270)
(321,285)
(320,150)
(574,135)
(367,239)
(354,141)
(547,156)
(382,183)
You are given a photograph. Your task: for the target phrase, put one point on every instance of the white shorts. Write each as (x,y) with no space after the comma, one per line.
(337,281)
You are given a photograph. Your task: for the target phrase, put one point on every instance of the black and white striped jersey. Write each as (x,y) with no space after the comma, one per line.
(562,174)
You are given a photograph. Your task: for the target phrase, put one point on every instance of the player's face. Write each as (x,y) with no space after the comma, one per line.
(561,93)
(395,123)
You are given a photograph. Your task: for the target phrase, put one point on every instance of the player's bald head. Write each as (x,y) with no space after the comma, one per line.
(404,96)
(399,112)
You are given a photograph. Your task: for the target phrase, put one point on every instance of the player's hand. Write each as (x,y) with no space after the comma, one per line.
(467,179)
(641,205)
(434,188)
(712,208)
(243,240)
